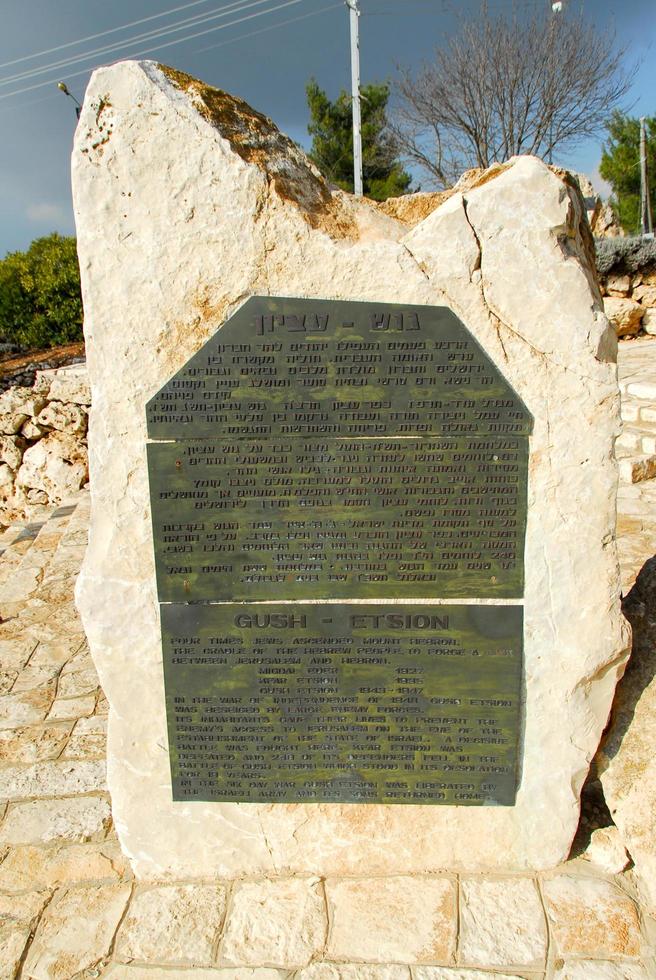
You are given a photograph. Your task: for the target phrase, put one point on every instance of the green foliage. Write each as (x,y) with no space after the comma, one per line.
(40,301)
(331,129)
(620,166)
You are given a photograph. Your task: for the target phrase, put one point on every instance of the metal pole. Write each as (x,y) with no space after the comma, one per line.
(355,90)
(646,225)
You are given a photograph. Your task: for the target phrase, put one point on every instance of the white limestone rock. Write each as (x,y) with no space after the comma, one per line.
(625,314)
(56,465)
(202,203)
(67,384)
(66,418)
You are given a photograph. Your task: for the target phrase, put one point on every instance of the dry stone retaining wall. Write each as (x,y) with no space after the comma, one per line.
(43,445)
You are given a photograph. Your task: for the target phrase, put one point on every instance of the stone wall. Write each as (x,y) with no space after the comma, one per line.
(627,279)
(43,444)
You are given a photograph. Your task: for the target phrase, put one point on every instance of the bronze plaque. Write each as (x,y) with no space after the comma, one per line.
(343,702)
(315,449)
(320,449)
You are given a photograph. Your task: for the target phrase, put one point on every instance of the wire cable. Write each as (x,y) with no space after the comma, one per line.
(235,7)
(158,47)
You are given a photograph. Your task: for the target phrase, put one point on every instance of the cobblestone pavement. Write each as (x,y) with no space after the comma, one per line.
(69,906)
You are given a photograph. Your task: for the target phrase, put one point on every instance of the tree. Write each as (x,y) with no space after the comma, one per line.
(620,166)
(40,300)
(505,86)
(331,129)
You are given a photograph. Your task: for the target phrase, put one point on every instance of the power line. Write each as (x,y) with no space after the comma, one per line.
(159,47)
(235,7)
(112,30)
(271,27)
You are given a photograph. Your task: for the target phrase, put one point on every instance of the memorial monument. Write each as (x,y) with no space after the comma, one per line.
(351,586)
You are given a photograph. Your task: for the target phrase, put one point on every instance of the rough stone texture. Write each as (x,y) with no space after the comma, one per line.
(13,940)
(31,867)
(66,418)
(626,758)
(56,465)
(76,932)
(626,314)
(607,851)
(81,818)
(592,918)
(444,973)
(69,384)
(402,920)
(176,924)
(502,922)
(597,970)
(649,321)
(279,923)
(51,779)
(203,203)
(120,971)
(354,971)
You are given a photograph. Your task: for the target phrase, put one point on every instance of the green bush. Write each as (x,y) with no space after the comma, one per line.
(40,300)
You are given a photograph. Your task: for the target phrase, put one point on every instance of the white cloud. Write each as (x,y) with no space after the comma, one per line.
(47,212)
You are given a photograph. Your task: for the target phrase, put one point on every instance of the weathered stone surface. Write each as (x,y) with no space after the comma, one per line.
(81,818)
(445,973)
(64,708)
(402,920)
(626,759)
(649,321)
(174,924)
(625,314)
(23,909)
(607,851)
(56,465)
(502,922)
(645,294)
(357,971)
(24,401)
(25,708)
(592,917)
(66,418)
(598,970)
(89,738)
(11,450)
(38,868)
(11,424)
(35,744)
(123,971)
(75,932)
(51,779)
(68,384)
(511,255)
(618,285)
(280,923)
(13,940)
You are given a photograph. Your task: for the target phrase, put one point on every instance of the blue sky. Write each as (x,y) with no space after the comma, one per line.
(262,50)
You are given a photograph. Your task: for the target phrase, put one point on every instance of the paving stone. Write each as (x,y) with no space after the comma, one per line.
(123,971)
(68,778)
(398,919)
(598,970)
(353,971)
(75,932)
(25,708)
(55,650)
(7,680)
(32,677)
(81,818)
(445,973)
(15,651)
(22,909)
(64,708)
(173,924)
(89,738)
(33,867)
(279,923)
(77,683)
(502,923)
(34,744)
(591,917)
(13,940)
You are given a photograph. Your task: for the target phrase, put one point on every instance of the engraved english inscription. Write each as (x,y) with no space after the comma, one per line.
(343,702)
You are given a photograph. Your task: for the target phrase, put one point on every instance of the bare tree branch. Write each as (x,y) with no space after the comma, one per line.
(505,86)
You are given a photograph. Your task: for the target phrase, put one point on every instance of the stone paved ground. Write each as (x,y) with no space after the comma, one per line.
(69,906)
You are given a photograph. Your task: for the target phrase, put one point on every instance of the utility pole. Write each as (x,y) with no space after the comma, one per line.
(355,95)
(646,224)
